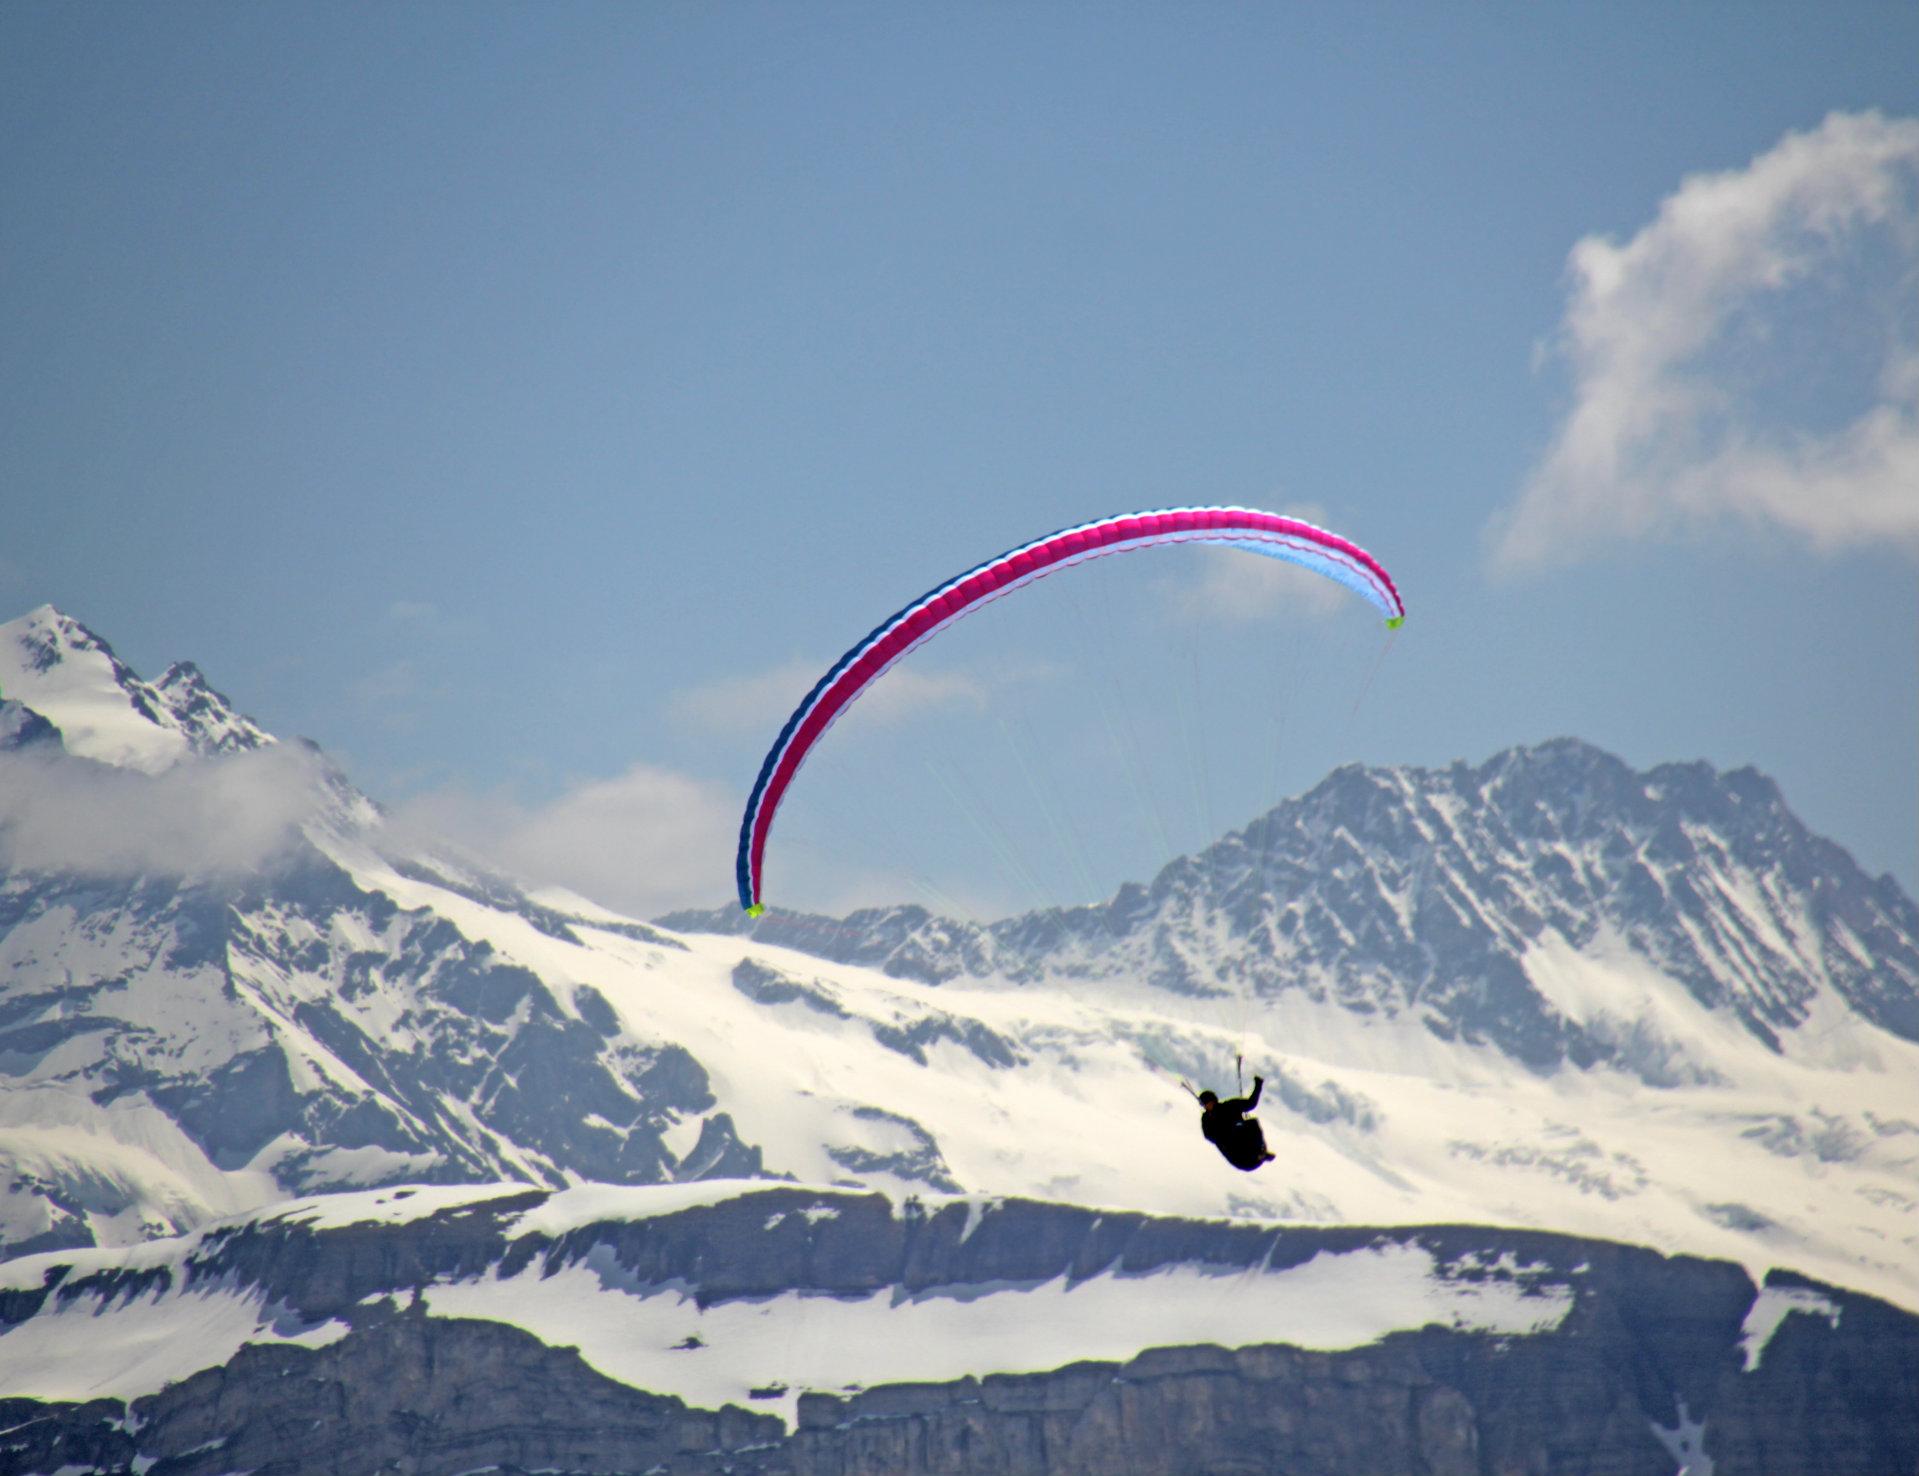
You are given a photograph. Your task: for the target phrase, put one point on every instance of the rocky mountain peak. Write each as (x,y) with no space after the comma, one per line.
(205,715)
(1435,894)
(46,637)
(56,667)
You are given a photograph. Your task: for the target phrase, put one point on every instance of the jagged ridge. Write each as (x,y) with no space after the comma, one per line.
(1424,891)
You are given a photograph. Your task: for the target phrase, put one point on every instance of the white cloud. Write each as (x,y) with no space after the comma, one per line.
(1239,587)
(397,694)
(746,705)
(643,843)
(209,817)
(906,693)
(1235,586)
(394,683)
(1663,433)
(754,706)
(649,842)
(655,839)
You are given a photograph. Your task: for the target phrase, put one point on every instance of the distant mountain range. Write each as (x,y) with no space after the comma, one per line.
(1547,993)
(1433,894)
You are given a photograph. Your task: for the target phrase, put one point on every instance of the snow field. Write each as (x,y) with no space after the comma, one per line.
(82,1350)
(661,1340)
(1462,1134)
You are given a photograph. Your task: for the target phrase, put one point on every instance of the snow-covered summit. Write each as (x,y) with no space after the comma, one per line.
(54,666)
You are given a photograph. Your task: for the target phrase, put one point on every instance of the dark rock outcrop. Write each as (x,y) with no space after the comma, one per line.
(1652,1366)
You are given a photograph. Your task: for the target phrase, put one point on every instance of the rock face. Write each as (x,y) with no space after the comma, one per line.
(1423,893)
(401,1393)
(1645,1364)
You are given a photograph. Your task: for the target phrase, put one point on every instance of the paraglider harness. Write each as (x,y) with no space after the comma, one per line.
(1239,1139)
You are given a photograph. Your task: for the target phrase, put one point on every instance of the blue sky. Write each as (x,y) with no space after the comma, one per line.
(521,401)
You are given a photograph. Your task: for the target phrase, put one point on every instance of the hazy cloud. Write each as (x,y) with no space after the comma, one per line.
(643,843)
(1238,587)
(649,842)
(655,839)
(1670,337)
(756,705)
(396,682)
(397,694)
(208,817)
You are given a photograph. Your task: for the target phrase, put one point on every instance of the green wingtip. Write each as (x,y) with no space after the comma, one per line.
(756,909)
(1395,622)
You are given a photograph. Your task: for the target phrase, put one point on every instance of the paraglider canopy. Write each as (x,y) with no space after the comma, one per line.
(1270,534)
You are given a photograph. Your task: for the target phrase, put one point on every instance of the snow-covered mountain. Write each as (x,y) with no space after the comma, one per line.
(264,1067)
(190,1039)
(1547,992)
